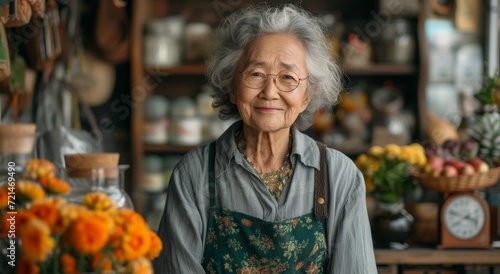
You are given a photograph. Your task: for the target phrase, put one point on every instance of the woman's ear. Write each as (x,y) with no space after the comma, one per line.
(305,102)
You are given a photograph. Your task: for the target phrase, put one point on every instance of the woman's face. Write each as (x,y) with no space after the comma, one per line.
(268,108)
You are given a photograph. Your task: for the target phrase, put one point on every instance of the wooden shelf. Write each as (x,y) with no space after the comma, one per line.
(428,256)
(381,69)
(373,69)
(195,69)
(167,148)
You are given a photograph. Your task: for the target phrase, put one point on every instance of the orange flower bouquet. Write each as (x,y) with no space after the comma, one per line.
(45,234)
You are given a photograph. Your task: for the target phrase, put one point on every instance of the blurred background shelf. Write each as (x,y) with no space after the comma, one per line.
(194,69)
(382,69)
(373,69)
(167,148)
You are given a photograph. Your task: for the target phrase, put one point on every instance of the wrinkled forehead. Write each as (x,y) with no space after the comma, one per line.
(283,51)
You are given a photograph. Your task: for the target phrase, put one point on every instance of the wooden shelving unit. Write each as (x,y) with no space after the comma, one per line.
(428,256)
(393,261)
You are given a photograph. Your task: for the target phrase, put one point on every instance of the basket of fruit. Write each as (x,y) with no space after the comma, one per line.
(455,166)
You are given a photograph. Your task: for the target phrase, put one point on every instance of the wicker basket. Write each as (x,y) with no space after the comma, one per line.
(459,183)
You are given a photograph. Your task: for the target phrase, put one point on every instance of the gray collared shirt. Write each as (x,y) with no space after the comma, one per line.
(183,225)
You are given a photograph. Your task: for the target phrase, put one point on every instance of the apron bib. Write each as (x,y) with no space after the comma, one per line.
(240,243)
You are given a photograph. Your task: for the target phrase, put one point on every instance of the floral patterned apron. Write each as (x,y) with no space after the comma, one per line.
(239,243)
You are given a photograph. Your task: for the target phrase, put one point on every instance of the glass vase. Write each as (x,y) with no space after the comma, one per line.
(16,149)
(96,172)
(391,225)
(109,180)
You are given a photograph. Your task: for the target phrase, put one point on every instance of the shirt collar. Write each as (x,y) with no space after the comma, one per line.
(304,148)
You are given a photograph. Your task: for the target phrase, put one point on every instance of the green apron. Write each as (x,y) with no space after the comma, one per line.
(239,243)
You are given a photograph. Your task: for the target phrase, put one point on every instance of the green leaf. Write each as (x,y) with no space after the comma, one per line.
(484,94)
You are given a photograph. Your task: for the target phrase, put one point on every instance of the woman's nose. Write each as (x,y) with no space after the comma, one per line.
(270,90)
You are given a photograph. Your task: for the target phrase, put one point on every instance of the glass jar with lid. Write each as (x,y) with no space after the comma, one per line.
(397,43)
(162,42)
(186,126)
(156,121)
(96,172)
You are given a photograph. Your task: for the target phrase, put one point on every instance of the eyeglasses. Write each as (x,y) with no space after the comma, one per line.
(284,80)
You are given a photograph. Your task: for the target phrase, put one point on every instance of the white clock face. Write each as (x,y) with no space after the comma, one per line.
(464,217)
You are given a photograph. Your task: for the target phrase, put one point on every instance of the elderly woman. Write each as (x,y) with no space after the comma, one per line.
(264,197)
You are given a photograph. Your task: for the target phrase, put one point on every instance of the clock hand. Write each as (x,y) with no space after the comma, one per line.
(457,222)
(469,218)
(453,212)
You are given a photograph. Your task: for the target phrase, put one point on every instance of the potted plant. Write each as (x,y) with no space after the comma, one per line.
(388,176)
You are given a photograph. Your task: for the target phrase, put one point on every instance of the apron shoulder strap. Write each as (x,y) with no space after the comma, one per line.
(321,186)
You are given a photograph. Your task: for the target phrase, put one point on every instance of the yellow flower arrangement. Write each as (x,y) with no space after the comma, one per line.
(387,170)
(52,236)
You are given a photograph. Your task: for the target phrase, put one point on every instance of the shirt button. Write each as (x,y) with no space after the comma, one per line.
(321,201)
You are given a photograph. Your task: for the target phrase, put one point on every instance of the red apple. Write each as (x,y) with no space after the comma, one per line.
(449,171)
(467,169)
(479,165)
(434,166)
(457,164)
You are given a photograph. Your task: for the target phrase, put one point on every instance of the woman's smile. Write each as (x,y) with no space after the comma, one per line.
(268,109)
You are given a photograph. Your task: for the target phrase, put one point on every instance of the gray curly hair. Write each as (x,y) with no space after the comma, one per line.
(241,27)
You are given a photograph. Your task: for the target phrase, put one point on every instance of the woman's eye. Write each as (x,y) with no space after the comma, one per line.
(287,77)
(257,74)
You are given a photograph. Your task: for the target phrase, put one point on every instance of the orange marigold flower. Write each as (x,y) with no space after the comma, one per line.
(118,253)
(27,267)
(136,243)
(117,232)
(90,232)
(105,218)
(4,225)
(99,201)
(140,266)
(21,218)
(36,239)
(68,264)
(46,211)
(38,168)
(155,246)
(68,213)
(129,219)
(29,190)
(101,262)
(4,197)
(54,185)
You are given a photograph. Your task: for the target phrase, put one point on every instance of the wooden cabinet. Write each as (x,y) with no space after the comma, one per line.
(188,78)
(416,260)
